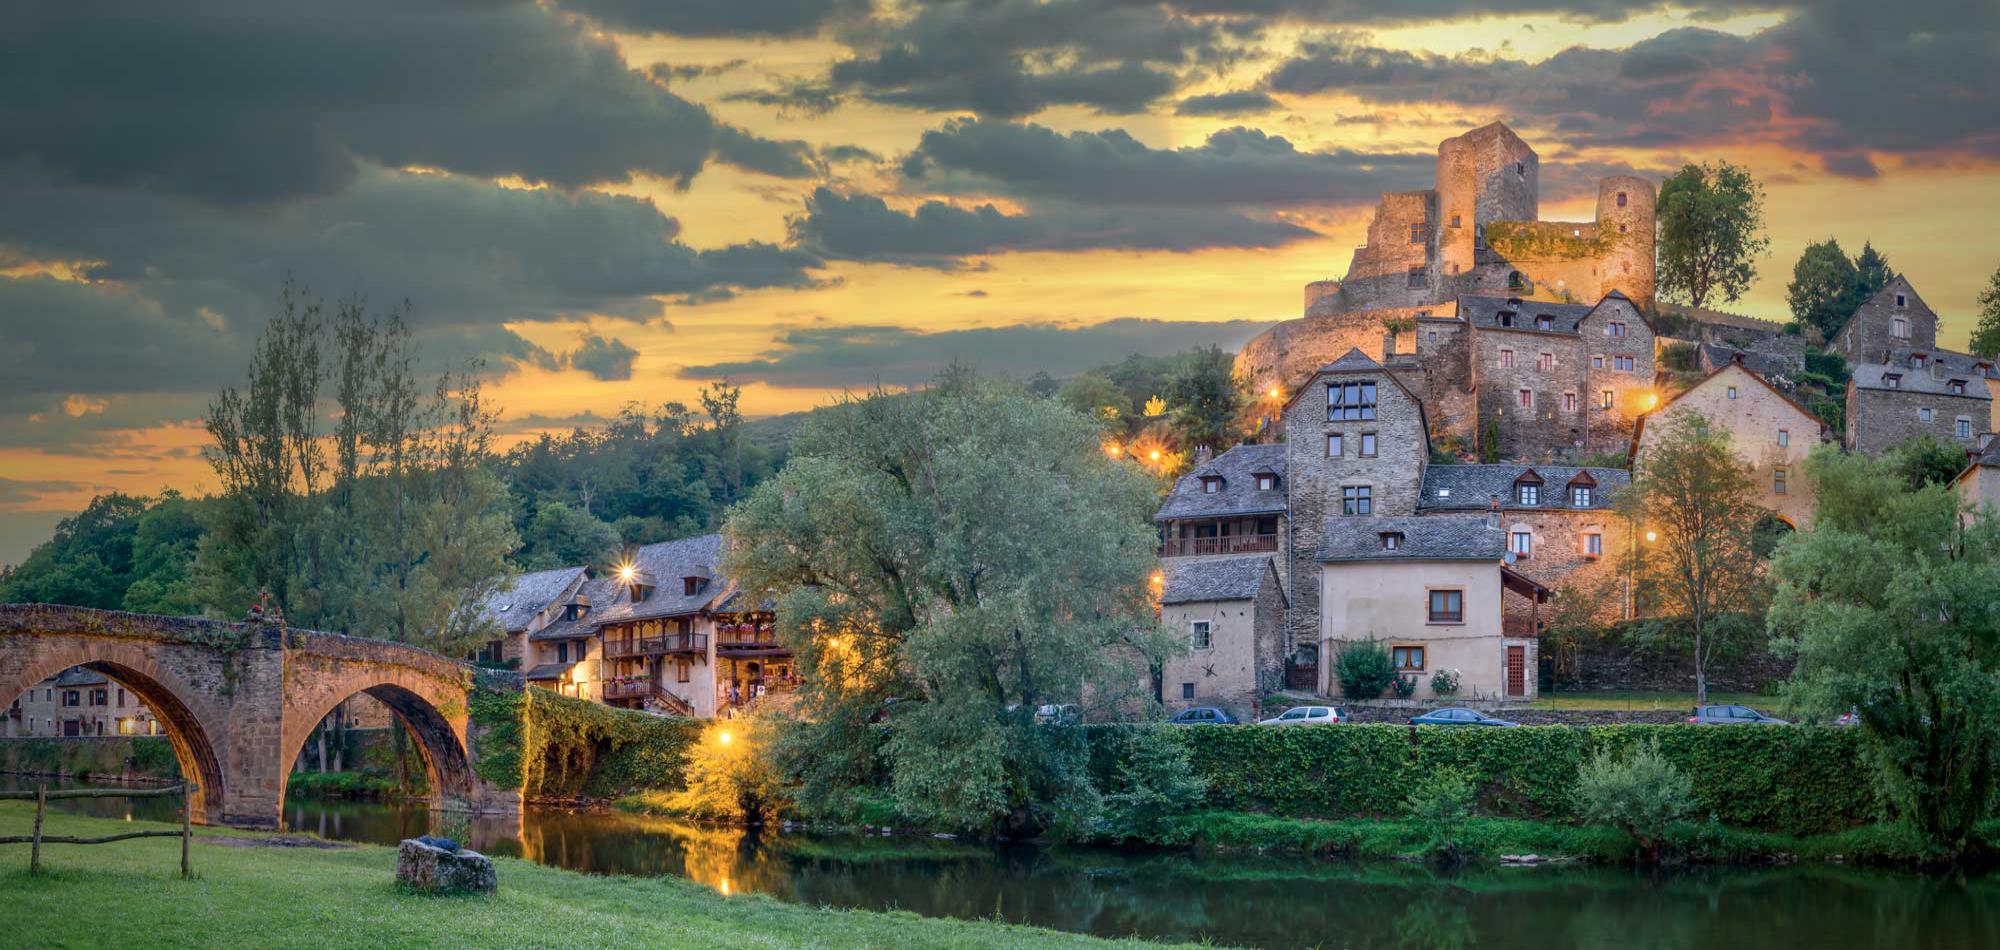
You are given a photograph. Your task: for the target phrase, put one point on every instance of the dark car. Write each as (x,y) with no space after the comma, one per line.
(1456,716)
(1202,716)
(1733,716)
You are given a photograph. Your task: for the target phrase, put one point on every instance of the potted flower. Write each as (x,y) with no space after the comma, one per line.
(1444,682)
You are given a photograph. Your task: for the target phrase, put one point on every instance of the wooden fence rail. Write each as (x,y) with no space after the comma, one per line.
(41,795)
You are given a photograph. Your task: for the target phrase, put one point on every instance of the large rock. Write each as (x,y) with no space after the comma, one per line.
(428,869)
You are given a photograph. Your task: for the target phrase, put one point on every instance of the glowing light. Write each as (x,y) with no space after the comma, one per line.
(1154,455)
(627,571)
(1652,536)
(1274,392)
(1159,578)
(723,738)
(1112,449)
(725,887)
(1648,401)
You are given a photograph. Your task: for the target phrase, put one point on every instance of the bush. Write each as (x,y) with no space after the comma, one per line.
(1153,784)
(1441,803)
(1364,669)
(1445,682)
(1639,793)
(1405,686)
(731,775)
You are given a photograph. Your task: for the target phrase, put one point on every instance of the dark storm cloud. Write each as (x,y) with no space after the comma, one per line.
(607,359)
(1010,58)
(15,491)
(937,234)
(1236,166)
(1226,103)
(272,100)
(785,18)
(861,356)
(1390,12)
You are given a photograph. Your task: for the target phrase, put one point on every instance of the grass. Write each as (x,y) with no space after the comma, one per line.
(129,895)
(1652,701)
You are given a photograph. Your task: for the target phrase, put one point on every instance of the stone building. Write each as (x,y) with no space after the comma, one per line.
(1893,322)
(1769,431)
(1431,590)
(1232,610)
(1978,486)
(1559,523)
(78,702)
(1557,380)
(529,603)
(1230,505)
(1902,384)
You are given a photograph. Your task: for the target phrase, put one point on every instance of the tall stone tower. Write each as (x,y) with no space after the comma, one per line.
(1487,174)
(1625,208)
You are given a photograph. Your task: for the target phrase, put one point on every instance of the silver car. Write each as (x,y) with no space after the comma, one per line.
(1308,716)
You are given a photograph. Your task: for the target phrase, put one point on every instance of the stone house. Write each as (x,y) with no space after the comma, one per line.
(1553,379)
(1230,505)
(1431,590)
(1232,611)
(1769,431)
(1559,523)
(1893,322)
(1978,486)
(529,603)
(75,703)
(1947,395)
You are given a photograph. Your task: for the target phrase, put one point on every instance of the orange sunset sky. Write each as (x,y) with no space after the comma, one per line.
(615,201)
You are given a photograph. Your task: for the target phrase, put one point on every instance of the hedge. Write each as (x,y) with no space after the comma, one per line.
(1795,780)
(567,748)
(110,757)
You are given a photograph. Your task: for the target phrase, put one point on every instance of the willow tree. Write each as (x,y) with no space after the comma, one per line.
(945,562)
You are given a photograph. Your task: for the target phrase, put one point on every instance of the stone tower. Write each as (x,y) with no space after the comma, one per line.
(1625,218)
(1487,174)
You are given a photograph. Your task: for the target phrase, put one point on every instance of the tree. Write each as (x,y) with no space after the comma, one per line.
(1872,273)
(1206,397)
(1695,501)
(1824,288)
(561,536)
(1640,793)
(1986,336)
(1926,460)
(1094,395)
(1887,602)
(1711,220)
(935,573)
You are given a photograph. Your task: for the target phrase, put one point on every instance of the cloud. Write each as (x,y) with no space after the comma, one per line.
(718,18)
(1237,166)
(606,359)
(862,356)
(290,98)
(938,234)
(1227,103)
(17,491)
(1395,12)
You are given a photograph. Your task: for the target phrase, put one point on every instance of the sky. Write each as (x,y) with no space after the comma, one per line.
(620,201)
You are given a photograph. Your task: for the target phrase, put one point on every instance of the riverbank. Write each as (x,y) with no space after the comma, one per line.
(251,893)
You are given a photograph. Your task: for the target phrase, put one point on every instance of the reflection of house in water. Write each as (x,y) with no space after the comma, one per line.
(78,702)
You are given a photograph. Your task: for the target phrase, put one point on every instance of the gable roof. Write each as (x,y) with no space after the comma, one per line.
(667,563)
(1896,284)
(1355,361)
(1233,578)
(1874,376)
(1424,539)
(1639,426)
(1484,312)
(515,607)
(1473,487)
(597,591)
(1238,495)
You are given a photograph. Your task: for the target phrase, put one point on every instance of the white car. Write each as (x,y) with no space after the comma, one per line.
(1307,716)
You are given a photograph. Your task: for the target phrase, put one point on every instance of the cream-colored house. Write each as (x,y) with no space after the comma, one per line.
(1431,589)
(1770,432)
(1978,486)
(1232,611)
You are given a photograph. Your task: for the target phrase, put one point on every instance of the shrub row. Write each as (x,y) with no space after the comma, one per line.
(149,757)
(554,747)
(1795,780)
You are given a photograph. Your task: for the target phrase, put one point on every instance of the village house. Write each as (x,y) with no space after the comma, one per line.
(1559,524)
(1769,431)
(1978,486)
(1232,611)
(1902,384)
(529,603)
(78,702)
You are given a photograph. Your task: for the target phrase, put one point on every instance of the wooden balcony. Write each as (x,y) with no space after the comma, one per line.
(630,689)
(750,644)
(656,646)
(1520,628)
(1231,544)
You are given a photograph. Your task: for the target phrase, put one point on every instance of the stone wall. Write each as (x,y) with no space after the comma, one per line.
(1736,401)
(1868,336)
(1380,273)
(1881,419)
(1632,392)
(1559,560)
(1545,426)
(1287,354)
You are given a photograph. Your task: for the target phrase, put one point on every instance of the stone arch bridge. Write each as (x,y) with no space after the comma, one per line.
(238,700)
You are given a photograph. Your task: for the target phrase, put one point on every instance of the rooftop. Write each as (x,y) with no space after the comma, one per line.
(1484,313)
(1421,539)
(1473,487)
(1235,578)
(597,591)
(1237,494)
(1876,376)
(667,562)
(514,607)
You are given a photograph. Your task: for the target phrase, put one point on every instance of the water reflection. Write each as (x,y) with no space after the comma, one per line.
(1241,901)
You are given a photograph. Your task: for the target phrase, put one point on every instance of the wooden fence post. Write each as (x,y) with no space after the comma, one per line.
(35,853)
(186,818)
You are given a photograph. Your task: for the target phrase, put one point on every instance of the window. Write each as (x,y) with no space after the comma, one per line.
(1187,690)
(1408,659)
(1546,362)
(681,671)
(1454,221)
(1521,543)
(1892,381)
(1506,318)
(1964,428)
(1608,400)
(1784,438)
(1924,414)
(1597,362)
(1615,328)
(1333,446)
(1579,496)
(1506,358)
(1199,636)
(1447,606)
(1778,480)
(1625,363)
(72,698)
(1514,280)
(1267,482)
(1593,545)
(121,699)
(1901,300)
(1621,199)
(1355,500)
(1520,169)
(1210,485)
(1957,387)
(1432,336)
(690,586)
(100,697)
(1368,445)
(1899,327)
(1528,495)
(1419,233)
(1545,322)
(562,652)
(1569,402)
(1732,392)
(1392,541)
(1527,398)
(1418,279)
(1479,235)
(1350,401)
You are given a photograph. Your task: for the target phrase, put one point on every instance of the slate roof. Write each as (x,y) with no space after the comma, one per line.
(514,608)
(1238,494)
(1472,487)
(1424,539)
(1233,578)
(1484,313)
(1914,380)
(599,591)
(80,676)
(668,562)
(548,671)
(1714,356)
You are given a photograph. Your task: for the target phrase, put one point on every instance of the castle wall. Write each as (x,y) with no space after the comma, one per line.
(1287,354)
(1444,351)
(1553,414)
(1485,175)
(1393,268)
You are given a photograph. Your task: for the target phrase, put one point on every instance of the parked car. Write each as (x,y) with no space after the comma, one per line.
(1733,716)
(1308,716)
(1202,716)
(1458,716)
(1066,714)
(1850,718)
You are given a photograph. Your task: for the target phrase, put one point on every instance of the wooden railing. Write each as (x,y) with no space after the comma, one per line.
(41,795)
(1521,628)
(1232,544)
(656,646)
(631,689)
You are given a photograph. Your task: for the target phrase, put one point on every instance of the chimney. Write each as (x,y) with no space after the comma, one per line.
(1202,454)
(1493,512)
(1388,345)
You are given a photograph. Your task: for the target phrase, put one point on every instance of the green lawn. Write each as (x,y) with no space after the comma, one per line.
(1681,702)
(129,895)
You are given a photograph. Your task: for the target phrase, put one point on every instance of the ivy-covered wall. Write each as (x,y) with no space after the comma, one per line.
(120,757)
(554,748)
(1791,779)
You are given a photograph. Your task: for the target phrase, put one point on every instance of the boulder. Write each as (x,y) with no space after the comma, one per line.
(428,869)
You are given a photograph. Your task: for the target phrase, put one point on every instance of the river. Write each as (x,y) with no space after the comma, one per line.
(1267,902)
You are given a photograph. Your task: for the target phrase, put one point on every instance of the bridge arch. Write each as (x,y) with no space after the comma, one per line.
(422,711)
(188,720)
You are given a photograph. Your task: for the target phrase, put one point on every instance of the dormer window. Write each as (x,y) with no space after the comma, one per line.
(1211,484)
(1528,495)
(1958,387)
(1392,540)
(1917,360)
(1580,496)
(1545,322)
(1267,482)
(691,586)
(1893,381)
(1506,318)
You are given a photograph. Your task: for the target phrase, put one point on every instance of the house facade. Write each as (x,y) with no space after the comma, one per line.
(1769,431)
(1902,384)
(75,703)
(1231,610)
